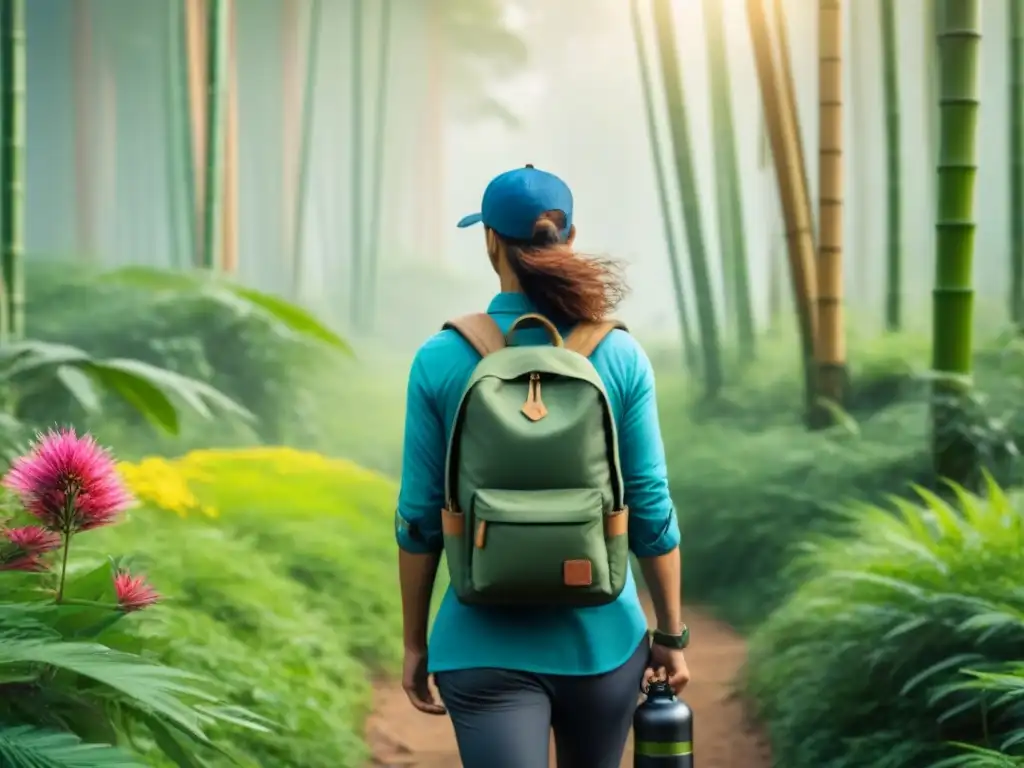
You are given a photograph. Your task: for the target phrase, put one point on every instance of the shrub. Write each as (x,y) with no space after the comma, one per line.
(72,685)
(864,664)
(279,571)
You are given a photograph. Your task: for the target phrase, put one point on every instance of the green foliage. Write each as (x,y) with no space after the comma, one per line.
(73,668)
(751,484)
(257,349)
(865,663)
(25,747)
(287,595)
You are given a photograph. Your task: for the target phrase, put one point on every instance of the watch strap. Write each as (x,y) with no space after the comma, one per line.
(676,642)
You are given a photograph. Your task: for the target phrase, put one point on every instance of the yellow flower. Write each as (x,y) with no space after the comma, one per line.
(166,485)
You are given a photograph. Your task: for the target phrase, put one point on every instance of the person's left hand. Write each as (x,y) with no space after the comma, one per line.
(669,665)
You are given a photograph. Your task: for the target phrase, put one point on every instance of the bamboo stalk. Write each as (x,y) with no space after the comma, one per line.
(731,226)
(230,226)
(959,39)
(690,357)
(1016,28)
(782,134)
(831,344)
(431,146)
(12,161)
(859,144)
(306,142)
(85,127)
(178,152)
(789,102)
(686,174)
(931,75)
(894,206)
(356,193)
(217,44)
(374,252)
(291,124)
(195,48)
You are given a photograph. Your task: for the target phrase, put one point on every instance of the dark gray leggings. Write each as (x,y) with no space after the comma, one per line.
(502,718)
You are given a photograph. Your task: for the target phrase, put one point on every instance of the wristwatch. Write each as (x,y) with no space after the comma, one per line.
(675,642)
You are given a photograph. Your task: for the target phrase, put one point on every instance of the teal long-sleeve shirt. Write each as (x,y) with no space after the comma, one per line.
(561,641)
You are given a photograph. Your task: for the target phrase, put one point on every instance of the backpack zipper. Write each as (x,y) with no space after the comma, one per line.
(534,408)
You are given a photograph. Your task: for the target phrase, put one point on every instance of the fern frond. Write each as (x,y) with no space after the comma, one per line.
(27,747)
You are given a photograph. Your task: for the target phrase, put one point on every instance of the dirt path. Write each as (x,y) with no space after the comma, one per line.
(401,737)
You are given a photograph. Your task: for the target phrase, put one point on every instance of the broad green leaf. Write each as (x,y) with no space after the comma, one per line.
(27,356)
(78,383)
(288,316)
(166,692)
(293,317)
(147,399)
(198,395)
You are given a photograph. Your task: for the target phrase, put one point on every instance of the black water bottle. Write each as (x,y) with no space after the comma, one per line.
(662,730)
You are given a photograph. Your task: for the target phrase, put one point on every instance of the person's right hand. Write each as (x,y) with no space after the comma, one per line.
(667,665)
(416,683)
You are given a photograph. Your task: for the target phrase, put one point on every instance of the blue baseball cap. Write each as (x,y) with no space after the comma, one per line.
(514,200)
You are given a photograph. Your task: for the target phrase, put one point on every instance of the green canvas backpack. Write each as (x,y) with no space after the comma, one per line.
(535,513)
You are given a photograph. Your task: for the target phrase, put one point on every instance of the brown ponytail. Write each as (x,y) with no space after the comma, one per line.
(567,286)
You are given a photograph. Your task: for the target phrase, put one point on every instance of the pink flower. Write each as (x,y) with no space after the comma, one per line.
(21,548)
(133,592)
(32,540)
(68,482)
(30,563)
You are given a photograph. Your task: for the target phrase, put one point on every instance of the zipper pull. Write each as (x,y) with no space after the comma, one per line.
(534,408)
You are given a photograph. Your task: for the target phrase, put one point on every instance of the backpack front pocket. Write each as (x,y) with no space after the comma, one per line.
(539,547)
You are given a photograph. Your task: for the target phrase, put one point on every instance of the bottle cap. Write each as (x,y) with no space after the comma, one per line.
(660,689)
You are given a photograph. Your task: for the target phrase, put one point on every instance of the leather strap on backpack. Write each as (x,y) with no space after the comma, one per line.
(480,330)
(587,335)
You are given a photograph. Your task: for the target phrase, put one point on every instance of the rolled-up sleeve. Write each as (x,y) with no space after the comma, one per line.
(418,517)
(653,528)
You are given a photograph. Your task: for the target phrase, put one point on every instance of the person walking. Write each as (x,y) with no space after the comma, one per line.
(533,460)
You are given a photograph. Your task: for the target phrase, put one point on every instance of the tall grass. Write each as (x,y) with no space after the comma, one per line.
(868,663)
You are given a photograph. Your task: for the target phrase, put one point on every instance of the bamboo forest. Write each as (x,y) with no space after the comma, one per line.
(227,226)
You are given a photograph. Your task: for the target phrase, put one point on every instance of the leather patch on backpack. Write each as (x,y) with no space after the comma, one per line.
(577,573)
(452,523)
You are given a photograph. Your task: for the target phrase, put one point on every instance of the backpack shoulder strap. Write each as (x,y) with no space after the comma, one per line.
(480,331)
(585,337)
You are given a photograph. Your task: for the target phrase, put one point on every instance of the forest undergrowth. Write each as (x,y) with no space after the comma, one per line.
(778,524)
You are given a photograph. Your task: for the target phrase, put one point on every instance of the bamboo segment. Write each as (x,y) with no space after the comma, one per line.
(181,199)
(687,178)
(959,38)
(831,345)
(380,125)
(1016,27)
(85,130)
(787,92)
(195,49)
(431,148)
(306,141)
(230,227)
(860,147)
(218,42)
(12,161)
(674,263)
(291,123)
(795,209)
(356,193)
(729,198)
(894,207)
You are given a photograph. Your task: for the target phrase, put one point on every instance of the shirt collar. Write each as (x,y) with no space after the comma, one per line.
(507,303)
